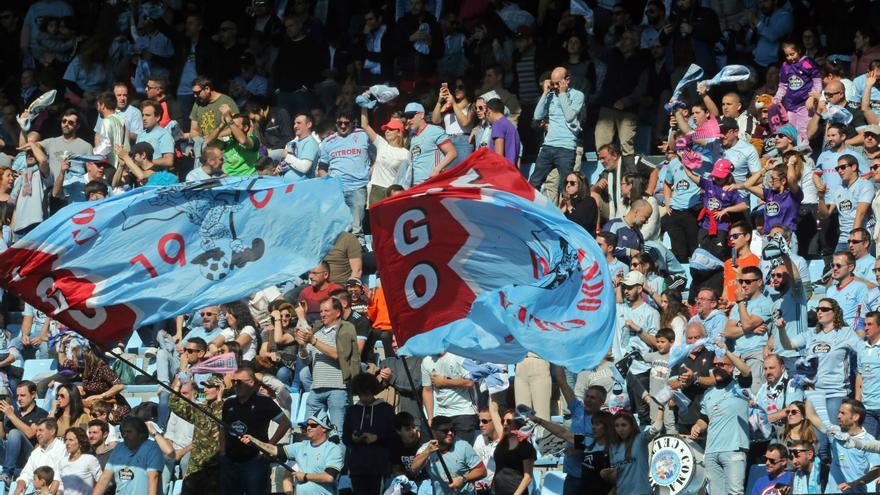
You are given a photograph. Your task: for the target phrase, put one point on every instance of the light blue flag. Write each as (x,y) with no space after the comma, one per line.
(478,263)
(693,74)
(728,74)
(106,267)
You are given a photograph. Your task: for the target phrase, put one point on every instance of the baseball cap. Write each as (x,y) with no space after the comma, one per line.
(413,108)
(214,381)
(727,123)
(633,278)
(871,129)
(722,169)
(394,124)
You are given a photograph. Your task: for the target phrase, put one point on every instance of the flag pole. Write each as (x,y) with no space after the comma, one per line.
(418,397)
(196,405)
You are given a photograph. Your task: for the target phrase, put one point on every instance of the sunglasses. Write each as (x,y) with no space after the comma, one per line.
(876,270)
(855,241)
(207,313)
(735,236)
(875,166)
(822,309)
(746,281)
(571,183)
(794,452)
(841,168)
(770,460)
(480,107)
(830,94)
(312,425)
(343,122)
(190,351)
(793,412)
(446,431)
(485,421)
(68,121)
(778,275)
(838,265)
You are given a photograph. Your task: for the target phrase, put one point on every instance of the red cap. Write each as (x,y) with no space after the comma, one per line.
(722,169)
(393,124)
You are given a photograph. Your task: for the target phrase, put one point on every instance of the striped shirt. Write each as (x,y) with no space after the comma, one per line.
(325,370)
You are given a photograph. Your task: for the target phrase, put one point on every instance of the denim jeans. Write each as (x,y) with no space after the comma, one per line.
(462,147)
(16,449)
(550,157)
(872,422)
(726,472)
(356,201)
(333,400)
(244,477)
(32,352)
(284,374)
(302,375)
(833,406)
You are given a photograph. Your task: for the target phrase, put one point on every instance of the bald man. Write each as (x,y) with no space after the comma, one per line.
(732,107)
(835,94)
(629,238)
(559,107)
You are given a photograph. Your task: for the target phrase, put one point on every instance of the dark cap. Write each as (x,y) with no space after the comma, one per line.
(727,124)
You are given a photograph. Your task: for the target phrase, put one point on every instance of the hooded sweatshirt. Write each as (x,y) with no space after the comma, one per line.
(377,417)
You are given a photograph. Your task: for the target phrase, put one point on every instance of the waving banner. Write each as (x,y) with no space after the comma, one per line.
(104,268)
(476,262)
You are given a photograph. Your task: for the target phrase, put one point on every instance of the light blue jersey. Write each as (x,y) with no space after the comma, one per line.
(130,468)
(728,412)
(762,307)
(864,268)
(745,160)
(315,459)
(348,159)
(424,147)
(632,472)
(460,460)
(714,324)
(852,298)
(306,148)
(869,370)
(773,398)
(562,111)
(847,200)
(160,139)
(581,424)
(792,307)
(685,192)
(833,350)
(627,341)
(827,163)
(850,464)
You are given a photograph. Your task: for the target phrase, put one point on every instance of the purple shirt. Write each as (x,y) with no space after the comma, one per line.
(714,199)
(781,208)
(800,78)
(503,128)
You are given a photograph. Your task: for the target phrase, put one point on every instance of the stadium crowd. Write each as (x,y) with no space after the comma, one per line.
(738,221)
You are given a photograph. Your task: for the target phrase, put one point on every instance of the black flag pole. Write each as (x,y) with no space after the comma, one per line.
(196,405)
(418,397)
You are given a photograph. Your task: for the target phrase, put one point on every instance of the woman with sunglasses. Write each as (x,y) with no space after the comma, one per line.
(281,349)
(453,108)
(391,154)
(68,409)
(578,205)
(834,343)
(514,458)
(797,426)
(240,330)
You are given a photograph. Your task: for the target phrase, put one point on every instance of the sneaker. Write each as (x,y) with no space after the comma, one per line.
(150,352)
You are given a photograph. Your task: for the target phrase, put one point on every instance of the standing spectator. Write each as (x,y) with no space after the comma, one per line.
(618,101)
(627,229)
(480,134)
(797,426)
(448,392)
(271,123)
(835,149)
(344,259)
(514,458)
(798,77)
(345,156)
(608,188)
(777,393)
(239,143)
(867,49)
(113,129)
(493,80)
(560,106)
(673,314)
(459,457)
(578,204)
(491,432)
(453,108)
(739,239)
(775,23)
(851,201)
(201,471)
(867,387)
(243,470)
(692,377)
(741,154)
(850,293)
(504,139)
(430,148)
(367,432)
(534,386)
(320,460)
(298,49)
(19,429)
(300,156)
(391,155)
(319,288)
(378,56)
(608,244)
(782,200)
(731,107)
(156,90)
(157,136)
(851,468)
(55,148)
(129,114)
(332,352)
(49,451)
(197,61)
(80,470)
(835,344)
(749,322)
(637,322)
(229,49)
(136,464)
(858,243)
(419,43)
(807,468)
(681,195)
(207,112)
(725,411)
(790,299)
(775,461)
(835,94)
(708,314)
(629,456)
(407,443)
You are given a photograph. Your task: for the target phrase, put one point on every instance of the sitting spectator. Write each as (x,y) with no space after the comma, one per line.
(797,427)
(102,383)
(408,440)
(627,229)
(807,468)
(49,451)
(240,329)
(135,465)
(19,429)
(578,204)
(80,470)
(68,409)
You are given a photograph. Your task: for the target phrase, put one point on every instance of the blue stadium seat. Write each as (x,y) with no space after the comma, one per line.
(755,472)
(176,487)
(552,483)
(301,413)
(134,401)
(37,368)
(294,403)
(142,389)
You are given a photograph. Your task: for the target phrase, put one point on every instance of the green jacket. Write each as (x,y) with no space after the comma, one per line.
(346,349)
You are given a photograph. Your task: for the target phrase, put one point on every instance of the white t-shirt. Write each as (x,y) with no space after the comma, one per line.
(389,161)
(486,450)
(452,126)
(79,477)
(249,352)
(449,401)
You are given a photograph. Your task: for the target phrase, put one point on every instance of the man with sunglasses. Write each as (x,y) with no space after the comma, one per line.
(431,149)
(829,160)
(851,200)
(775,461)
(850,293)
(789,309)
(868,377)
(56,148)
(461,459)
(344,155)
(748,323)
(859,243)
(242,469)
(637,322)
(739,239)
(807,475)
(834,93)
(201,467)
